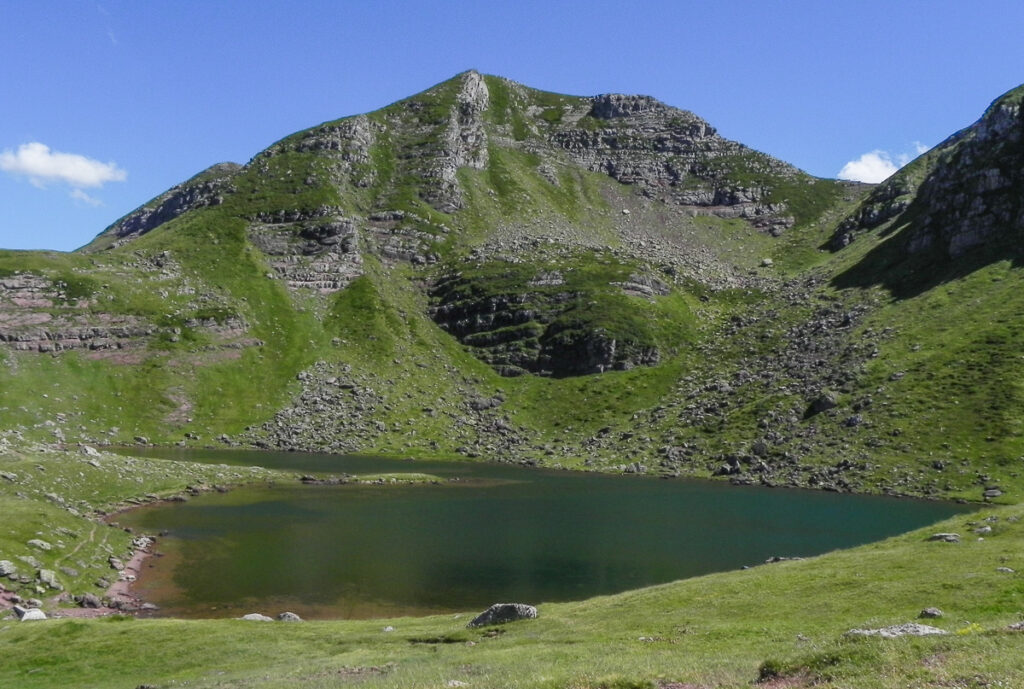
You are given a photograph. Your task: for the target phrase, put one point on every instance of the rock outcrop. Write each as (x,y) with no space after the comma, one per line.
(208,188)
(677,157)
(965,194)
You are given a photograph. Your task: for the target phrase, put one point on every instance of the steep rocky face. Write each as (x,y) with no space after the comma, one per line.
(967,193)
(674,156)
(464,144)
(520,318)
(974,194)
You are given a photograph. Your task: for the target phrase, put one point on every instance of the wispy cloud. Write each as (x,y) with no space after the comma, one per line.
(41,165)
(79,195)
(110,31)
(878,165)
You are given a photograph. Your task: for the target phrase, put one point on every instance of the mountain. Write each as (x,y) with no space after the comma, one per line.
(487,270)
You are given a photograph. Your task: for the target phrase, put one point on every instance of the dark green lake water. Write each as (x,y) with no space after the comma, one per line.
(500,533)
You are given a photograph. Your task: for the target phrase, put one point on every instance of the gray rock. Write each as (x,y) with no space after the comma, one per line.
(930,613)
(945,537)
(288,617)
(7,568)
(49,578)
(823,402)
(1004,570)
(40,544)
(256,617)
(992,493)
(90,600)
(501,613)
(90,451)
(897,630)
(32,614)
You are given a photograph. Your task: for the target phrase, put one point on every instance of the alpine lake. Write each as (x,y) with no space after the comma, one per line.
(483,533)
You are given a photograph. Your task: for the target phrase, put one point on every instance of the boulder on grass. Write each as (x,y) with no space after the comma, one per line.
(500,613)
(257,617)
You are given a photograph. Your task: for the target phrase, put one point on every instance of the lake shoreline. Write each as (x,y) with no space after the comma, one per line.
(638,518)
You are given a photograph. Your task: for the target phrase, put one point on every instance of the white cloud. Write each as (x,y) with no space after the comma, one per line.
(42,165)
(877,165)
(79,195)
(871,167)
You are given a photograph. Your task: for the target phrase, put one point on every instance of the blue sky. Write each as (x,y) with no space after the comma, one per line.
(142,95)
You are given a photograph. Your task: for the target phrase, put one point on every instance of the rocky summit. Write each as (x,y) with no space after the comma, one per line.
(491,271)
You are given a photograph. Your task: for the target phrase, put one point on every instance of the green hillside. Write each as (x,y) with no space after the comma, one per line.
(487,270)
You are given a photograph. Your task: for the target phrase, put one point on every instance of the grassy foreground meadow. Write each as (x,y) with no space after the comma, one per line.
(782,624)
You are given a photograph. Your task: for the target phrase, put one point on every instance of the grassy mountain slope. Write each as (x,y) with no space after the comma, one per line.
(487,270)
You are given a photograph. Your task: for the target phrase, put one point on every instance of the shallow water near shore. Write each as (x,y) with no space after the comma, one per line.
(486,533)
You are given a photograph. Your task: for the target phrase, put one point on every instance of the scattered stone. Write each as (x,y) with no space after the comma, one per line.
(992,493)
(1016,627)
(288,617)
(983,530)
(40,544)
(945,537)
(1004,570)
(389,628)
(256,617)
(897,630)
(930,613)
(823,402)
(501,613)
(115,563)
(767,262)
(49,578)
(30,561)
(90,451)
(90,600)
(7,568)
(29,614)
